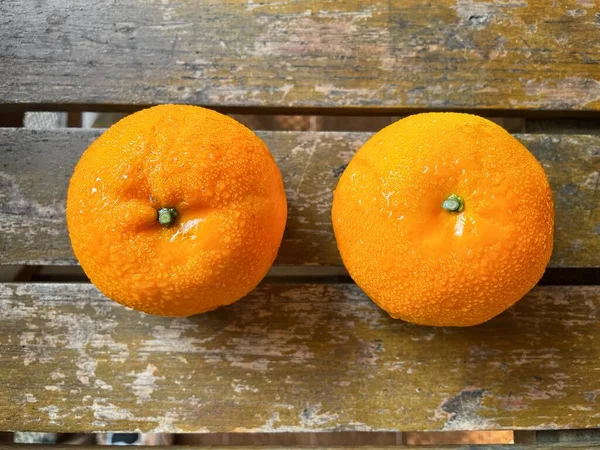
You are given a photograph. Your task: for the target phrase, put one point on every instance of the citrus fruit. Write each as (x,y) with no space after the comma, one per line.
(176,210)
(444,219)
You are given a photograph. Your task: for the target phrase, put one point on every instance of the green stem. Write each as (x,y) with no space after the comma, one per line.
(167,216)
(453,203)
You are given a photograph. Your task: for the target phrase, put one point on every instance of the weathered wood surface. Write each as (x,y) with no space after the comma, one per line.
(515,54)
(293,358)
(584,445)
(35,167)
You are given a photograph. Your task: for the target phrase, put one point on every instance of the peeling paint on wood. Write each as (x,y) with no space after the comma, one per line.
(36,166)
(294,358)
(513,54)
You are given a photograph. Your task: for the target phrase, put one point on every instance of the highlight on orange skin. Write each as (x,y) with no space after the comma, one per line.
(228,208)
(428,264)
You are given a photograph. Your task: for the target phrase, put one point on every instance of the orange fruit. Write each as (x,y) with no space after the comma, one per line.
(176,210)
(444,219)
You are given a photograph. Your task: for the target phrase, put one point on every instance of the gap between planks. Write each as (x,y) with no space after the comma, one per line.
(554,446)
(282,274)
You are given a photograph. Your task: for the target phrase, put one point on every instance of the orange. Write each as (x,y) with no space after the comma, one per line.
(176,210)
(444,219)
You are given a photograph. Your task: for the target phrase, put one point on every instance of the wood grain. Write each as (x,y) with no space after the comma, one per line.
(35,167)
(293,358)
(557,446)
(379,55)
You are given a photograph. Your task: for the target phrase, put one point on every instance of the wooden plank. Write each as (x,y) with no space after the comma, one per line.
(295,439)
(326,54)
(560,446)
(569,436)
(36,166)
(293,358)
(458,437)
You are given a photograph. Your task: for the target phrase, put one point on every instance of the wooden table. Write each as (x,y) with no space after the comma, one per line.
(310,352)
